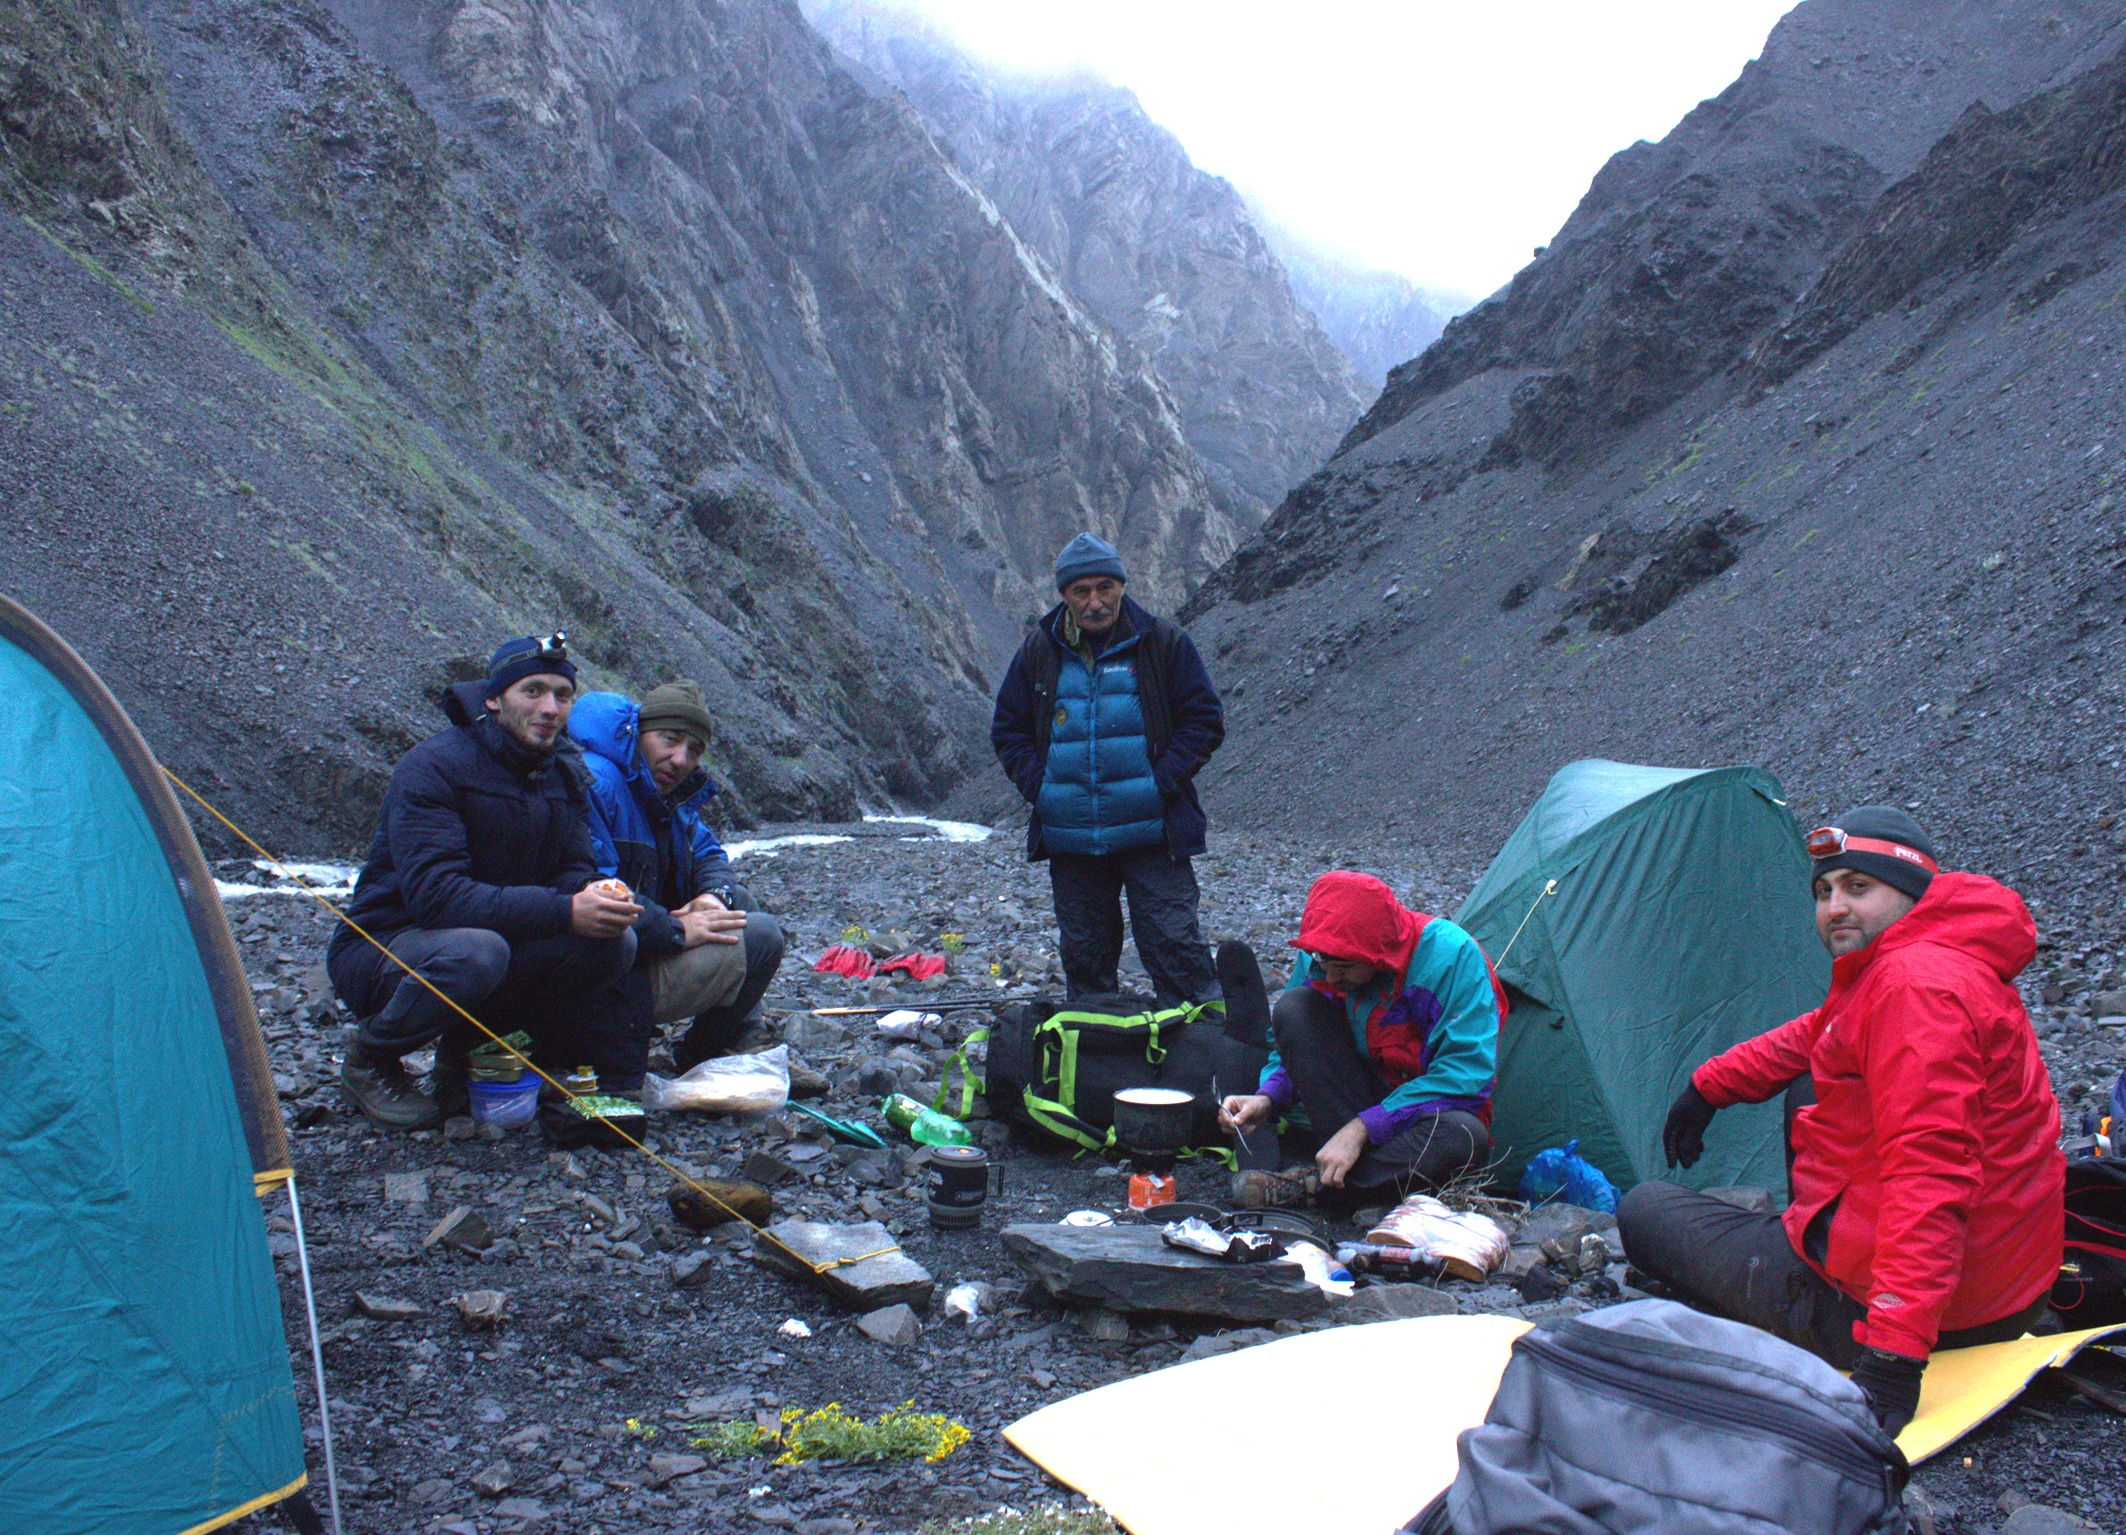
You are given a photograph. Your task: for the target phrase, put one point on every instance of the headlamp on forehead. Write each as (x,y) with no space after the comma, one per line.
(1831,841)
(554,647)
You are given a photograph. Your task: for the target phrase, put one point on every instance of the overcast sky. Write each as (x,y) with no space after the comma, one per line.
(1443,141)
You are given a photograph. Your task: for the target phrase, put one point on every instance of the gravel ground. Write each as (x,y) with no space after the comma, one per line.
(597,1333)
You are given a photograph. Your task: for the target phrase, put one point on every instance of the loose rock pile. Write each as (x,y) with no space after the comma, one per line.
(519,1338)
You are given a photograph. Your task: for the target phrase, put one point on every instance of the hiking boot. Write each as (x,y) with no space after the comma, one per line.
(755,1034)
(688,1051)
(387,1096)
(446,1084)
(1258,1189)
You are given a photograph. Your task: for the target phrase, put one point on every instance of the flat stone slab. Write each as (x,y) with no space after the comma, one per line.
(385,1308)
(1130,1269)
(1394,1303)
(883,1275)
(464,1228)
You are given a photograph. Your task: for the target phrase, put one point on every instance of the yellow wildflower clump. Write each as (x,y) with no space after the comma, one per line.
(829,1433)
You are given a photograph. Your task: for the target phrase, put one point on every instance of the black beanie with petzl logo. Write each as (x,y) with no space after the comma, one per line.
(1879,841)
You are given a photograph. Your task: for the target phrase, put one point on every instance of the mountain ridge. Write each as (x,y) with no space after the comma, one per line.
(1601,517)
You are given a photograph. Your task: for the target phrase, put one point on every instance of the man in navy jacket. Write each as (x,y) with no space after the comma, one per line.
(478,879)
(1103,721)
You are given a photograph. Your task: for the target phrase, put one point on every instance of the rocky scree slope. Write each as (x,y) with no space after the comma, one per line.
(341,339)
(1166,255)
(616,1311)
(1797,446)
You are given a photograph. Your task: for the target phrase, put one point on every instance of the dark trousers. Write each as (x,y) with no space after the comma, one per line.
(1163,901)
(550,987)
(1739,1264)
(1333,1083)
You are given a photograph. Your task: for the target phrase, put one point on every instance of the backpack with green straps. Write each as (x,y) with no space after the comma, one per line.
(1054,1067)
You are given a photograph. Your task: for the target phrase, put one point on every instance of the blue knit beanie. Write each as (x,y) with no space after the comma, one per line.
(1088,555)
(514,660)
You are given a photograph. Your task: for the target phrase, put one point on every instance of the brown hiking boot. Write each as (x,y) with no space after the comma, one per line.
(1258,1189)
(386,1094)
(724,1200)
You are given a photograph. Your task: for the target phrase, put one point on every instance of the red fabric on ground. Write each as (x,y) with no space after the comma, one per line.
(842,959)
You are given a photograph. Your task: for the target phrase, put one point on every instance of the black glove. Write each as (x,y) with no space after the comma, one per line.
(1683,1137)
(1891,1384)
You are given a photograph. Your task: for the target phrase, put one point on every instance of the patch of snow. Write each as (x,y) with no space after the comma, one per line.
(312,873)
(331,880)
(951,831)
(768,847)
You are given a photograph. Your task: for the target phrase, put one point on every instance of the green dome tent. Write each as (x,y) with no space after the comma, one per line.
(1677,921)
(145,1383)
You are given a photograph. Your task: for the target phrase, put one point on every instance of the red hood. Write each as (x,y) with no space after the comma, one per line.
(1970,912)
(1355,916)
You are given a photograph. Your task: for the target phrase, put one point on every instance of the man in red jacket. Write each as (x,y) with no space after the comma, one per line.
(1926,1170)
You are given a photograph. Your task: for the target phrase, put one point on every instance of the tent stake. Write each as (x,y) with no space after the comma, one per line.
(317,1352)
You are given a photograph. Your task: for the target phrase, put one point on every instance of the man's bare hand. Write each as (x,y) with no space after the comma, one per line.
(1340,1153)
(715,925)
(595,913)
(702,902)
(1242,1112)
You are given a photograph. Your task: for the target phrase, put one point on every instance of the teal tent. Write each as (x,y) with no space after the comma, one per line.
(145,1383)
(1643,920)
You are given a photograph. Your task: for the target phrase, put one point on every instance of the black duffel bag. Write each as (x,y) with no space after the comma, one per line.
(2091,1289)
(1054,1067)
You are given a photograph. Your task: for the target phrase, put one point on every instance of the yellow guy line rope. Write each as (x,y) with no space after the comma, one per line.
(1549,888)
(286,873)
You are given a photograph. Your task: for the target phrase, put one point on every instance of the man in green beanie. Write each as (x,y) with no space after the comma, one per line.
(702,952)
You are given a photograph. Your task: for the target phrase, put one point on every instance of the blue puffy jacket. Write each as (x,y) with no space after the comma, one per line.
(658,843)
(1108,754)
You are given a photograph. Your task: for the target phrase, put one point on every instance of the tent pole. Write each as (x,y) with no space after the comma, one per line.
(317,1352)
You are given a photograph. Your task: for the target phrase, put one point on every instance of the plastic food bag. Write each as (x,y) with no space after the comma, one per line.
(730,1084)
(1562,1171)
(906,1024)
(1464,1244)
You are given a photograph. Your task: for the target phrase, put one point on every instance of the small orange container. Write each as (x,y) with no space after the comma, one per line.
(1149,1189)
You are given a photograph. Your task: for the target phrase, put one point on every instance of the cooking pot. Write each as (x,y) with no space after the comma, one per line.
(1153,1121)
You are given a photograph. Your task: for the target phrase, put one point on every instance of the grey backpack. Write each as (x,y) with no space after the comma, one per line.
(1653,1419)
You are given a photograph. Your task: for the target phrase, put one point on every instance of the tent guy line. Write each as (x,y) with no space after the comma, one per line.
(692,1183)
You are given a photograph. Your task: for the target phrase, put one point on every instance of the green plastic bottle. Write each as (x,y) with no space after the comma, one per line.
(925,1126)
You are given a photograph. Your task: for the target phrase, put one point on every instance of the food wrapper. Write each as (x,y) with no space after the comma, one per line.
(1198,1235)
(1464,1244)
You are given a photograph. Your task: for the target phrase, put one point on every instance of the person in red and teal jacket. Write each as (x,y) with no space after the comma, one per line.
(1386,1039)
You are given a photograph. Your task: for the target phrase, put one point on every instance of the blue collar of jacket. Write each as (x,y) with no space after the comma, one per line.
(609,725)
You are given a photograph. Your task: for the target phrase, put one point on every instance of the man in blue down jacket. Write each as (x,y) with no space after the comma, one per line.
(702,950)
(478,880)
(1103,721)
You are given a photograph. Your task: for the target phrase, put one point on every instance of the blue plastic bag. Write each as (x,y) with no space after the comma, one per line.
(1563,1171)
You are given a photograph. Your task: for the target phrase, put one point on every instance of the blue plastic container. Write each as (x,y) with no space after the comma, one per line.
(507,1104)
